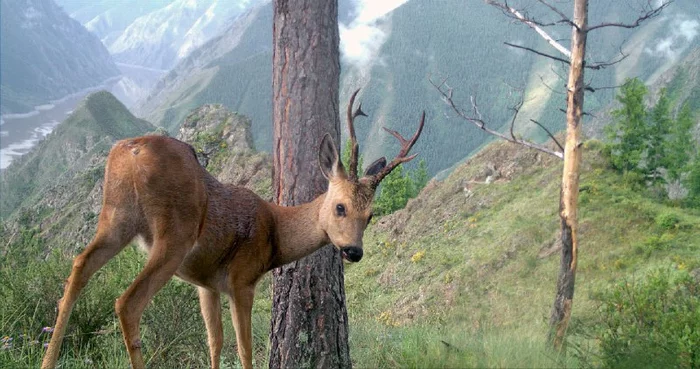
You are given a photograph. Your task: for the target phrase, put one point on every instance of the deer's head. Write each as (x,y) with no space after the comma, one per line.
(347,207)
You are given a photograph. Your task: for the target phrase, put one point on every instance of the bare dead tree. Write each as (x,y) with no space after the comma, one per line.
(571,152)
(478,120)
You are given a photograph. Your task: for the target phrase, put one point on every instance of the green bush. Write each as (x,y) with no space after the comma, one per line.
(667,220)
(651,323)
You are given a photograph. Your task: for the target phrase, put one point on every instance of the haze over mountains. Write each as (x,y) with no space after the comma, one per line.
(46,55)
(155,34)
(175,55)
(392,52)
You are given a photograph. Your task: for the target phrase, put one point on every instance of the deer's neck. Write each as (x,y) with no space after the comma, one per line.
(297,231)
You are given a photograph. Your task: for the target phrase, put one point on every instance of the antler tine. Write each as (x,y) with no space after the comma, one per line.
(354,147)
(406,146)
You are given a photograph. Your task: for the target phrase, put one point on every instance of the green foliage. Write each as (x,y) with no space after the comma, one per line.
(651,323)
(692,182)
(395,190)
(667,220)
(680,144)
(172,329)
(649,146)
(398,187)
(345,157)
(420,177)
(657,143)
(627,134)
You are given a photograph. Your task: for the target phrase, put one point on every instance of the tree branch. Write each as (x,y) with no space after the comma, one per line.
(598,66)
(548,134)
(538,52)
(532,24)
(650,13)
(477,120)
(564,18)
(549,87)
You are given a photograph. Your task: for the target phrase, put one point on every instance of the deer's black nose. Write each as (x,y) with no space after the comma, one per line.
(352,253)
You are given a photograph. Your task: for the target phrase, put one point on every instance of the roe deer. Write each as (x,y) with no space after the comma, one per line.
(221,238)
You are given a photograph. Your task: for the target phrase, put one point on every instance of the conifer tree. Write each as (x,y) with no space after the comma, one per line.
(680,144)
(629,129)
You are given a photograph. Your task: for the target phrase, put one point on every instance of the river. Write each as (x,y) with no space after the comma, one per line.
(19,133)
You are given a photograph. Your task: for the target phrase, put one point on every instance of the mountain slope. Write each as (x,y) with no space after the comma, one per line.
(163,37)
(421,40)
(46,55)
(465,275)
(95,124)
(230,70)
(108,19)
(682,82)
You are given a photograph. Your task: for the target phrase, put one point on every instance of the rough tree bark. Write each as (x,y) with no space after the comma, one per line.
(561,311)
(309,326)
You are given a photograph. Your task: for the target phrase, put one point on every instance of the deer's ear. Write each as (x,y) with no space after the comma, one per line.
(329,160)
(376,166)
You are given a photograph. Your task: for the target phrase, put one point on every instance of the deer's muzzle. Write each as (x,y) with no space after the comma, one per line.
(351,253)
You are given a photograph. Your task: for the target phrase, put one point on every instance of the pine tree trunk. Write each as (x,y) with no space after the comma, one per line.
(561,311)
(309,325)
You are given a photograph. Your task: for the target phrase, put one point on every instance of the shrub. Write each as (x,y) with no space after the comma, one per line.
(667,220)
(654,322)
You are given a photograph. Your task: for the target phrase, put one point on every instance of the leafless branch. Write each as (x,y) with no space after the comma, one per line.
(512,13)
(516,110)
(564,18)
(557,73)
(548,134)
(594,89)
(538,52)
(477,119)
(583,113)
(549,87)
(648,13)
(598,66)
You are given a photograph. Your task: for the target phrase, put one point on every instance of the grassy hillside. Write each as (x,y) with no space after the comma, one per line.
(475,264)
(95,124)
(463,277)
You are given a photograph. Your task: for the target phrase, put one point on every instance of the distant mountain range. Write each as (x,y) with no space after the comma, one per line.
(155,34)
(46,55)
(392,55)
(419,41)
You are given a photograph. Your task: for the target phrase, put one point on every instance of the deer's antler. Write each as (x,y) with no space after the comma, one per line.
(354,147)
(402,157)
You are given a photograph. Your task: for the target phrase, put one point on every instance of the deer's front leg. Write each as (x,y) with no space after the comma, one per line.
(241,308)
(211,312)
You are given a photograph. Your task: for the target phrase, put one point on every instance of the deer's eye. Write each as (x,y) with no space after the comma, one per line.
(340,210)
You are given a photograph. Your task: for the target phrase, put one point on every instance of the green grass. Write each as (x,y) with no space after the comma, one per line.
(457,279)
(485,282)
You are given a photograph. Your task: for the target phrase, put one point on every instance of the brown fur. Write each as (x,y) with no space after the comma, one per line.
(221,238)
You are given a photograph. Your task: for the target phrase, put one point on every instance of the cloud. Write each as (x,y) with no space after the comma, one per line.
(682,33)
(363,37)
(687,29)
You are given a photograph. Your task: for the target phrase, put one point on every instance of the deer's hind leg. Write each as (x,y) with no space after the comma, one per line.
(171,243)
(113,234)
